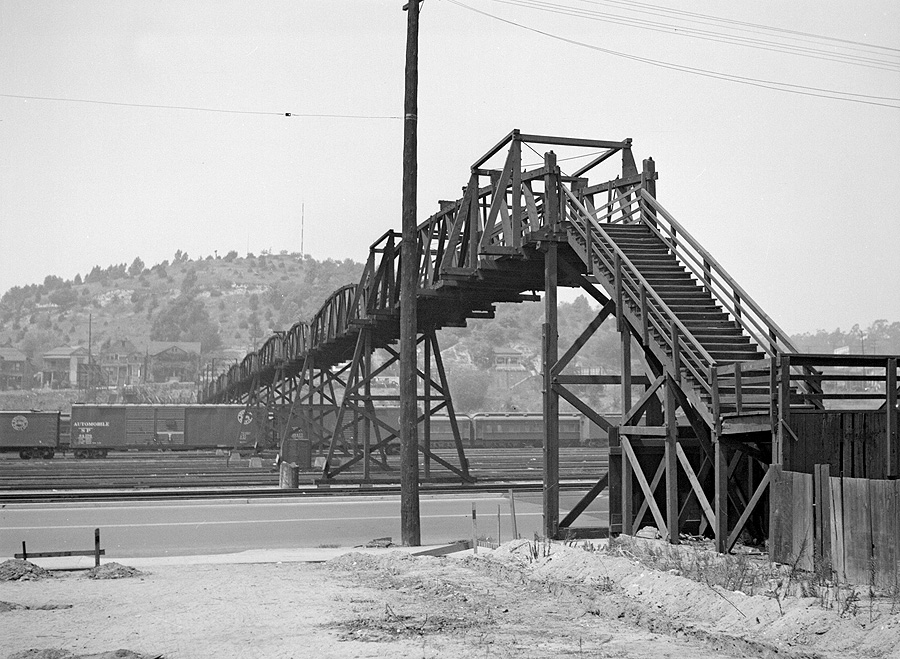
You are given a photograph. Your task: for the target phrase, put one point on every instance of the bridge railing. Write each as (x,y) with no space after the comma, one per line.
(635,296)
(724,289)
(764,331)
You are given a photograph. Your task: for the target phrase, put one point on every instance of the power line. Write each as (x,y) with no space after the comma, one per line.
(202,109)
(707,19)
(851,55)
(754,82)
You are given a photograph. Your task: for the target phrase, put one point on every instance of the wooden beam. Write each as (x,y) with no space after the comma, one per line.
(633,415)
(671,460)
(645,487)
(748,509)
(721,496)
(893,454)
(657,478)
(583,338)
(586,500)
(582,407)
(695,485)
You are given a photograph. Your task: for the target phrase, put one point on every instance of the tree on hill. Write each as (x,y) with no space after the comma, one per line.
(136,267)
(186,319)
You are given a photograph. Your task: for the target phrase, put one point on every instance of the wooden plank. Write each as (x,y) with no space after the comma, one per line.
(831,433)
(885,551)
(857,530)
(786,546)
(55,554)
(822,505)
(859,455)
(874,445)
(802,521)
(776,524)
(892,451)
(846,446)
(838,564)
(643,431)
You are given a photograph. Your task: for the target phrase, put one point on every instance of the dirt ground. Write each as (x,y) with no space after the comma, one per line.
(521,600)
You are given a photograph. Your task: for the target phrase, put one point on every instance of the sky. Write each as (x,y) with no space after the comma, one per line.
(795,194)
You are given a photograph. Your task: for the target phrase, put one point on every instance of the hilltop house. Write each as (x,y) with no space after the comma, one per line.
(15,369)
(173,360)
(66,366)
(121,363)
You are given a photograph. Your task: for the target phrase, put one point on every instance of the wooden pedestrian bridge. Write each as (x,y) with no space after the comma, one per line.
(721,395)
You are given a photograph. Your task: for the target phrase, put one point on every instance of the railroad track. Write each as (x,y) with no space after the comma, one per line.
(208,472)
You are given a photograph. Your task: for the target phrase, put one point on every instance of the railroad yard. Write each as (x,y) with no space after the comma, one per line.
(151,471)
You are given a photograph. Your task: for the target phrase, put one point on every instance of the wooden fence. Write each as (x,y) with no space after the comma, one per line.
(848,526)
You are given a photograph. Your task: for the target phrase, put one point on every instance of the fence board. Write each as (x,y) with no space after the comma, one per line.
(822,505)
(885,505)
(802,521)
(791,518)
(837,528)
(857,530)
(778,499)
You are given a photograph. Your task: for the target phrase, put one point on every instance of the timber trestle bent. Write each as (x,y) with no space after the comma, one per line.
(706,416)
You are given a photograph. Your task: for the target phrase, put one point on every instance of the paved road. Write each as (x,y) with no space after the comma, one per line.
(231,525)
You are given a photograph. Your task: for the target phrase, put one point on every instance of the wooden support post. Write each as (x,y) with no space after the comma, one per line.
(367,423)
(515,158)
(512,514)
(645,319)
(676,351)
(784,404)
(628,521)
(551,397)
(410,523)
(426,422)
(626,370)
(615,482)
(893,454)
(671,463)
(721,494)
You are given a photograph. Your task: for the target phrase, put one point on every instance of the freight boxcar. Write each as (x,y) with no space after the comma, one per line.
(31,434)
(97,429)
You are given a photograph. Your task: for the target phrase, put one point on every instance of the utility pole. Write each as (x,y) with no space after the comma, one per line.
(410,528)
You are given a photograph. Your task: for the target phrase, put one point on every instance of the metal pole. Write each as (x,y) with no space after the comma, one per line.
(409,459)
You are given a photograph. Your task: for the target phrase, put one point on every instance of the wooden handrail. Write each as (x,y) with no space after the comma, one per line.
(747,302)
(635,273)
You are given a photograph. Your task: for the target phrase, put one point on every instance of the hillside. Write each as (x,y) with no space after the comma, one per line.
(231,304)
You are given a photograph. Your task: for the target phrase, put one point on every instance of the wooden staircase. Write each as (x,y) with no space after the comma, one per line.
(693,304)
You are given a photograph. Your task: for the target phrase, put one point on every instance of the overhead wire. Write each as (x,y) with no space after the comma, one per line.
(868,60)
(804,90)
(202,109)
(708,19)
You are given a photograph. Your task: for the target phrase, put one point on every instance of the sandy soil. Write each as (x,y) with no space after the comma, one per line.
(502,603)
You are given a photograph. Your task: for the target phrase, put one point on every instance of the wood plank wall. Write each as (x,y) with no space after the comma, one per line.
(848,525)
(852,442)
